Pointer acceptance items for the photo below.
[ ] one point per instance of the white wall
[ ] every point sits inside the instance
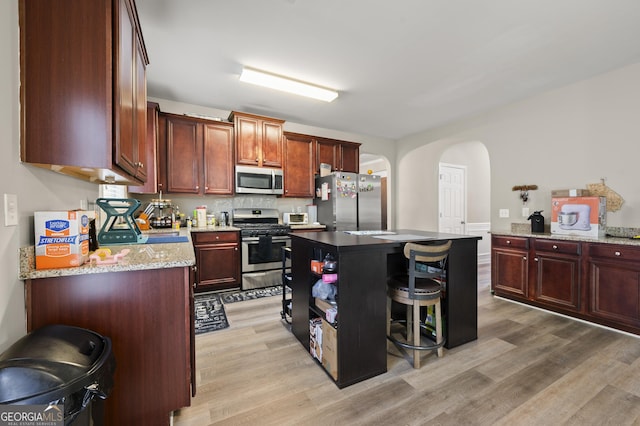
(36, 189)
(565, 138)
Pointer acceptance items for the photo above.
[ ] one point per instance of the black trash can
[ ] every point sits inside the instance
(59, 364)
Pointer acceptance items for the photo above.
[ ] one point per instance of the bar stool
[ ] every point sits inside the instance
(421, 286)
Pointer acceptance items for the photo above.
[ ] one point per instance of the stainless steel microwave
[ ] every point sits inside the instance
(258, 180)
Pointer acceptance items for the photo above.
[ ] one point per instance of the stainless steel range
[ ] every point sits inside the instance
(262, 239)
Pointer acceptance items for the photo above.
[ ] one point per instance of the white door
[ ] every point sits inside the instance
(453, 198)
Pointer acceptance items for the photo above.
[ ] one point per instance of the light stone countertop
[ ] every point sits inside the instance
(140, 257)
(622, 240)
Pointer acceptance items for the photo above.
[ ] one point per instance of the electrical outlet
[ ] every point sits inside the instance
(525, 212)
(10, 210)
(504, 212)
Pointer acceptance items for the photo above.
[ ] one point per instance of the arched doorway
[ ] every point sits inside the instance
(474, 206)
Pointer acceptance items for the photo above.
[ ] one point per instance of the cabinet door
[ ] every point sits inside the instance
(218, 266)
(326, 152)
(151, 152)
(350, 158)
(142, 164)
(184, 156)
(557, 280)
(299, 166)
(247, 146)
(218, 158)
(271, 144)
(614, 292)
(125, 151)
(614, 284)
(509, 272)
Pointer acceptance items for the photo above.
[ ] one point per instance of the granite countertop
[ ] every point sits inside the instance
(622, 236)
(140, 257)
(308, 226)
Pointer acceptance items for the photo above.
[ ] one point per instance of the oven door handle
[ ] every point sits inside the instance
(274, 239)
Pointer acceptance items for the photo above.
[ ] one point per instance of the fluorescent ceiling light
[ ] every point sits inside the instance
(273, 81)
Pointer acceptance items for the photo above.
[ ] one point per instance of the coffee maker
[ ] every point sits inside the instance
(537, 222)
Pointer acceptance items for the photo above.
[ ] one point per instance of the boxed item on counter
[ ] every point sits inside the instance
(330, 349)
(61, 238)
(570, 193)
(579, 216)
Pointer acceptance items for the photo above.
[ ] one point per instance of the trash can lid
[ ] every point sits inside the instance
(54, 362)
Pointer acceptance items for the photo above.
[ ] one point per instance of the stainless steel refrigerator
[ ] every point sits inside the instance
(349, 202)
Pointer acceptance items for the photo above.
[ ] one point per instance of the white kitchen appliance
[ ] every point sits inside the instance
(575, 216)
(295, 218)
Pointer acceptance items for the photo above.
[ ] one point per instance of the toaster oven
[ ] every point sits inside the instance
(295, 218)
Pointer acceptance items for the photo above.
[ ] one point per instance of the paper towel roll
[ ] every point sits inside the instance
(312, 212)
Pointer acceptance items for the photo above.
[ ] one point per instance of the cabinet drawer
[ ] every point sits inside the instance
(555, 246)
(510, 242)
(618, 252)
(214, 237)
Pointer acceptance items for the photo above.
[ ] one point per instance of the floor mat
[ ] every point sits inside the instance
(209, 313)
(239, 296)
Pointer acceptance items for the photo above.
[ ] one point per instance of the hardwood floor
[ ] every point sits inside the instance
(528, 367)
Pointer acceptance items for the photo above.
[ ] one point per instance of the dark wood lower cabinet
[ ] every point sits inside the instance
(614, 285)
(556, 274)
(510, 261)
(217, 260)
(147, 316)
(598, 282)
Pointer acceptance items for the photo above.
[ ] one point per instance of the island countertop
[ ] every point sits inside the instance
(353, 239)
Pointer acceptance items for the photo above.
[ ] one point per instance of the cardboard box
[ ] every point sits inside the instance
(579, 216)
(330, 349)
(61, 238)
(570, 193)
(315, 338)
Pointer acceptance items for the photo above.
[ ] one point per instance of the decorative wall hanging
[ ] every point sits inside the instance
(614, 200)
(524, 191)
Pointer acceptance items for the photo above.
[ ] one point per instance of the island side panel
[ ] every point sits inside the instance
(461, 302)
(362, 299)
(147, 316)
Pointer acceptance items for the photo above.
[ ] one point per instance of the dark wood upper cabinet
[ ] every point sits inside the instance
(343, 156)
(258, 140)
(299, 160)
(151, 155)
(199, 156)
(83, 89)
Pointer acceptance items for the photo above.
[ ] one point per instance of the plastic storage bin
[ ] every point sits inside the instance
(59, 364)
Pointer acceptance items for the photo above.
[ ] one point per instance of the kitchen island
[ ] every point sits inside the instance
(364, 264)
(144, 305)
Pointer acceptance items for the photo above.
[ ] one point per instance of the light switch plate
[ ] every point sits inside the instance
(525, 212)
(504, 212)
(10, 210)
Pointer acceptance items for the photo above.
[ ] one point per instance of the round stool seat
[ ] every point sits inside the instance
(425, 289)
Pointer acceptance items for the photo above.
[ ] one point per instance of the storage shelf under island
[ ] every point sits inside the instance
(144, 305)
(364, 263)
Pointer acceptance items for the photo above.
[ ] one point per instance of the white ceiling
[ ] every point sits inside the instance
(400, 66)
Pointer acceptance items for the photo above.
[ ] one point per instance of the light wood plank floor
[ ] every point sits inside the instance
(528, 367)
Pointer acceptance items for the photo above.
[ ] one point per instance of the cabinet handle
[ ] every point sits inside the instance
(197, 187)
(206, 188)
(524, 257)
(618, 253)
(535, 258)
(508, 241)
(555, 247)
